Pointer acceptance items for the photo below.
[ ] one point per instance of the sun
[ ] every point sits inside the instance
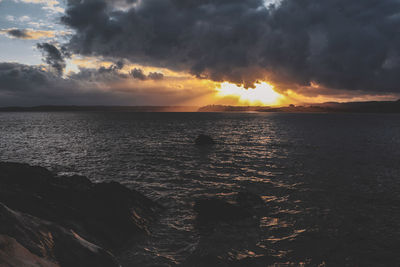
(262, 94)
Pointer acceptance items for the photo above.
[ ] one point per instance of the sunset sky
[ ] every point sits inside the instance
(198, 52)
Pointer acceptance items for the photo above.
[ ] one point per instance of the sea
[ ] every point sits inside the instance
(330, 183)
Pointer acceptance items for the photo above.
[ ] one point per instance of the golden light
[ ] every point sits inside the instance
(262, 94)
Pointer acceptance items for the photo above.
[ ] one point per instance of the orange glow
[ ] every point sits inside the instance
(262, 94)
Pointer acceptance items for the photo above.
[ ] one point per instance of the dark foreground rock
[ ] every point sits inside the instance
(105, 214)
(29, 241)
(204, 140)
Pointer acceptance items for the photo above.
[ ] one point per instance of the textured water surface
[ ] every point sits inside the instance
(330, 182)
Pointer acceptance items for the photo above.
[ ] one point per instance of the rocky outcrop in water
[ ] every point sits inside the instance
(215, 210)
(249, 201)
(225, 226)
(204, 140)
(245, 205)
(72, 210)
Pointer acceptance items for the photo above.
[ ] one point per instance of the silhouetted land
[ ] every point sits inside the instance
(102, 108)
(329, 107)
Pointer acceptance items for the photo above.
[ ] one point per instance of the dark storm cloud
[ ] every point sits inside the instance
(24, 85)
(102, 74)
(182, 35)
(113, 70)
(139, 74)
(54, 57)
(22, 34)
(156, 76)
(16, 78)
(339, 44)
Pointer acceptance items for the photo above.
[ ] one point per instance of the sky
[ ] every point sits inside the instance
(198, 52)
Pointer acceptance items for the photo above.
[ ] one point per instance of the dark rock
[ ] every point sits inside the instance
(107, 214)
(13, 253)
(229, 227)
(29, 241)
(214, 210)
(249, 200)
(213, 259)
(24, 175)
(204, 140)
(75, 181)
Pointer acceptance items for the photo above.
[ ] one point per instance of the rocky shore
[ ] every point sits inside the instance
(48, 220)
(59, 221)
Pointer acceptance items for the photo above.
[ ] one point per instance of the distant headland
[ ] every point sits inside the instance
(328, 107)
(102, 108)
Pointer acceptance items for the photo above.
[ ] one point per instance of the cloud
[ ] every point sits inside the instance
(9, 17)
(106, 75)
(52, 5)
(24, 19)
(139, 74)
(338, 44)
(24, 85)
(155, 76)
(22, 34)
(28, 34)
(54, 57)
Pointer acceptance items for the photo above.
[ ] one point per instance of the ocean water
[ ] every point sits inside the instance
(330, 182)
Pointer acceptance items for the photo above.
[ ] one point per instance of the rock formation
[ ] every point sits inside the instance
(204, 140)
(29, 241)
(72, 211)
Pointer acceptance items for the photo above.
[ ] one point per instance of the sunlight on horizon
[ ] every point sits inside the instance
(262, 94)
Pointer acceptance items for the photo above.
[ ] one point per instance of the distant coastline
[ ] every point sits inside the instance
(328, 107)
(102, 108)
